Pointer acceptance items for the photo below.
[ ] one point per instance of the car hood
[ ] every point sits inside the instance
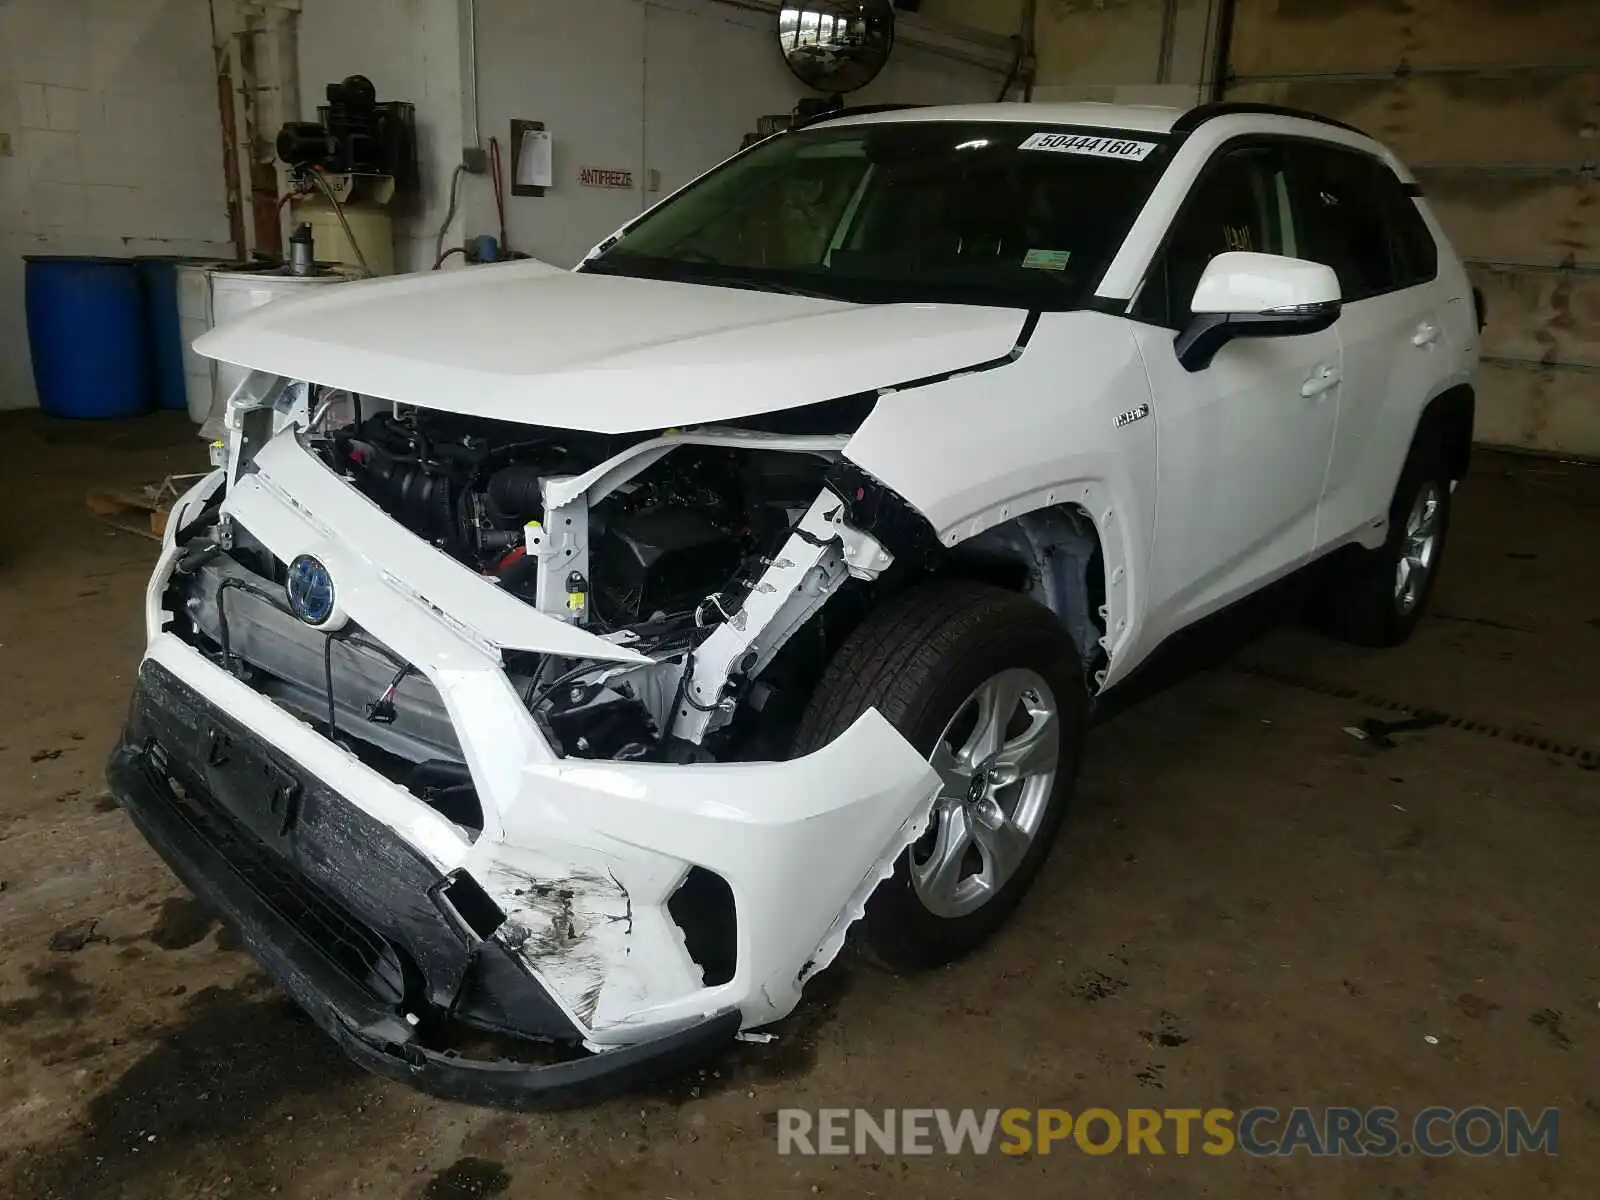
(532, 343)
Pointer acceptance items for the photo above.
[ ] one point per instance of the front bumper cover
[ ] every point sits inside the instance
(348, 918)
(584, 859)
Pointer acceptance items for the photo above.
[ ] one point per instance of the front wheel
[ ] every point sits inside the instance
(988, 686)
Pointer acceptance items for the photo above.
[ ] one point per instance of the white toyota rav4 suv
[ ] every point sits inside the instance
(573, 657)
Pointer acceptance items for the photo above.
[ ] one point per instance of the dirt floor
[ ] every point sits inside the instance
(1247, 906)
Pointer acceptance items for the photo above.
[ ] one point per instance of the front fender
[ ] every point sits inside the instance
(1064, 424)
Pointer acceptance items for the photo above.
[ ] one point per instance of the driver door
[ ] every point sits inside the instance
(1244, 443)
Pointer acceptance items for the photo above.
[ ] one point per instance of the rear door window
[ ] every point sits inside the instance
(1352, 223)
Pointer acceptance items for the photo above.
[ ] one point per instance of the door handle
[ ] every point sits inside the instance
(1324, 380)
(1427, 333)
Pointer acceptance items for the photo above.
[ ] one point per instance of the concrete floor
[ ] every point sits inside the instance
(1248, 906)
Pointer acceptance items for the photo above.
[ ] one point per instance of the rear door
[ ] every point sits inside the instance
(1244, 443)
(1358, 218)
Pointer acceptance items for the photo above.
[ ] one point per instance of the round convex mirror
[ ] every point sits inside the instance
(836, 45)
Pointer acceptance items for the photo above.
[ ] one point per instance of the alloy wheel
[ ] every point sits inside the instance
(997, 761)
(1419, 549)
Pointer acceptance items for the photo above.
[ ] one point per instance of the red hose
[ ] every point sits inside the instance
(499, 193)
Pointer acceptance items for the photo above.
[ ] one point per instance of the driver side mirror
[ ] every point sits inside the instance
(1243, 294)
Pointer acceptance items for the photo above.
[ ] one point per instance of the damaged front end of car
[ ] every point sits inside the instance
(478, 730)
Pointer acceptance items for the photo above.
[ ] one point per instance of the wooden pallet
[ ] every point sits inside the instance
(141, 510)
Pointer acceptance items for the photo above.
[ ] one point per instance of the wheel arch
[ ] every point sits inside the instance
(1449, 418)
(1060, 546)
(1054, 555)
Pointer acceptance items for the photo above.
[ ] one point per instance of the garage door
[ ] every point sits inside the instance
(1496, 106)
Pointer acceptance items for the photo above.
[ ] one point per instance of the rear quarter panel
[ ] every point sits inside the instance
(1372, 452)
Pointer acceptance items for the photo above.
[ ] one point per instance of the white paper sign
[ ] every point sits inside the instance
(534, 165)
(1095, 147)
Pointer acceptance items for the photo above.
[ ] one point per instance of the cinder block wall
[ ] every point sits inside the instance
(110, 107)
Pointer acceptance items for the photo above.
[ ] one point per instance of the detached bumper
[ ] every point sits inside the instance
(362, 931)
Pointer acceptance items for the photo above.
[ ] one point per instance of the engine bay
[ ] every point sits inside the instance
(676, 544)
(701, 556)
(713, 570)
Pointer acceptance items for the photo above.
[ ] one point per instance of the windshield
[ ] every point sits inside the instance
(991, 213)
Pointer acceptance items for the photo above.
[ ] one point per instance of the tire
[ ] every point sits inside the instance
(932, 655)
(1367, 601)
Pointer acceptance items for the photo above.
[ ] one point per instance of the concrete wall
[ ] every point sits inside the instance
(411, 49)
(110, 108)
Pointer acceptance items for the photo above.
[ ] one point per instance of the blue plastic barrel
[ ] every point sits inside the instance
(159, 278)
(88, 334)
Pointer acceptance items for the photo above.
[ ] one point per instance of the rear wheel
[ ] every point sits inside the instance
(1378, 599)
(989, 687)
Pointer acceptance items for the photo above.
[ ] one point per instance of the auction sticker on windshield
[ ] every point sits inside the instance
(1095, 147)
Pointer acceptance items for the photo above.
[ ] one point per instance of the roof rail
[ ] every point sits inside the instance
(859, 110)
(1196, 117)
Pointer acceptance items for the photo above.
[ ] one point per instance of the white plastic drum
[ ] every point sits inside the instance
(194, 318)
(233, 294)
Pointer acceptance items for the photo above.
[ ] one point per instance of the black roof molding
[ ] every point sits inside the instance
(859, 110)
(1196, 117)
